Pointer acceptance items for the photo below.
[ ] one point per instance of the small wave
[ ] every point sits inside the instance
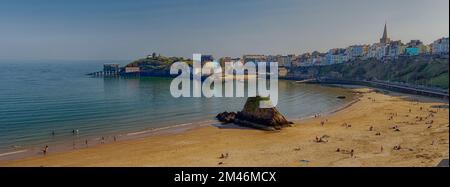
(12, 153)
(161, 128)
(137, 133)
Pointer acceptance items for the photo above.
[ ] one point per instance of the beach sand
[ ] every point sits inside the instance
(366, 127)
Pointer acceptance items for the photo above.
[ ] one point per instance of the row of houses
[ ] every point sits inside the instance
(384, 50)
(391, 50)
(379, 51)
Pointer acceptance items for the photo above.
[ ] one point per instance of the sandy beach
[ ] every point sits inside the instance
(381, 129)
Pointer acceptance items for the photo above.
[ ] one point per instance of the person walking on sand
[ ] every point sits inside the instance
(351, 153)
(86, 142)
(45, 150)
(103, 140)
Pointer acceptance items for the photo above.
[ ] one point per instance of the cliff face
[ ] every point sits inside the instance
(254, 116)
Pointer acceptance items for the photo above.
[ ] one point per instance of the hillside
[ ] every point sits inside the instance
(416, 70)
(426, 71)
(156, 65)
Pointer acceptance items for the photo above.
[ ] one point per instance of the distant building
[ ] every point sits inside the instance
(132, 69)
(285, 61)
(382, 52)
(356, 51)
(254, 58)
(416, 47)
(412, 51)
(152, 56)
(396, 49)
(425, 49)
(319, 59)
(336, 56)
(377, 51)
(440, 47)
(303, 60)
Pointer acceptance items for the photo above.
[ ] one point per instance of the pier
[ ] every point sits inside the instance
(105, 74)
(109, 70)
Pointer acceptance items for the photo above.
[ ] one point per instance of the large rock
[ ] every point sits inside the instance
(226, 117)
(253, 115)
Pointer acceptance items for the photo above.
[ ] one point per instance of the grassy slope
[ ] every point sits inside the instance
(417, 70)
(433, 72)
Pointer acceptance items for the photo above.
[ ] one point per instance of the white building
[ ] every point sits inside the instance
(377, 51)
(337, 56)
(440, 46)
(396, 49)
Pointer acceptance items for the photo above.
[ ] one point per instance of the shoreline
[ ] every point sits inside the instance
(306, 124)
(67, 145)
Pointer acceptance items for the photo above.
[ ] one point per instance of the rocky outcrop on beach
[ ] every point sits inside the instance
(226, 117)
(254, 116)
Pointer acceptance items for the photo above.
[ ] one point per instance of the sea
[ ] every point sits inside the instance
(54, 102)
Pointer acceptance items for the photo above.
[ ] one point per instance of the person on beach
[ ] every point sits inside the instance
(351, 153)
(320, 140)
(86, 142)
(103, 140)
(115, 139)
(347, 125)
(224, 156)
(45, 150)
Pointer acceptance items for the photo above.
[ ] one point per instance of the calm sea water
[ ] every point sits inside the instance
(39, 97)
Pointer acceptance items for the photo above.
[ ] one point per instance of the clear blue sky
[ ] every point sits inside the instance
(113, 29)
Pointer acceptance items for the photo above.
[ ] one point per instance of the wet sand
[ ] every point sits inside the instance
(379, 128)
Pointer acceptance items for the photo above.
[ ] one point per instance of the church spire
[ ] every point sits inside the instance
(385, 39)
